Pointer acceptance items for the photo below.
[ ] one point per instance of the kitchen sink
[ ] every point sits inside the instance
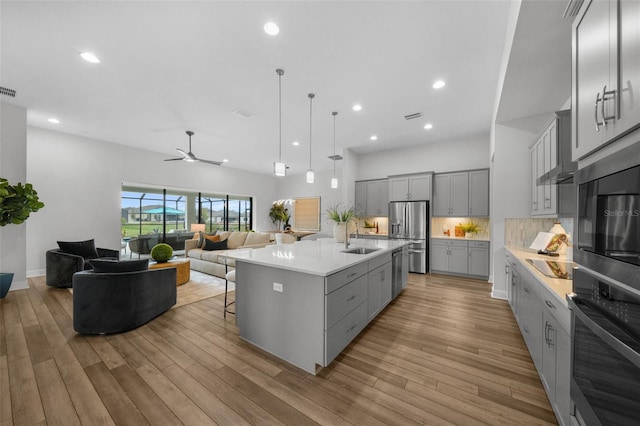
(360, 250)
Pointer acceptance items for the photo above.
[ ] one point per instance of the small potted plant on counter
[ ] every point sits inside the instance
(469, 229)
(341, 217)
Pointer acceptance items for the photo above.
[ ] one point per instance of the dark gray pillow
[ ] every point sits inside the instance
(214, 245)
(102, 266)
(86, 249)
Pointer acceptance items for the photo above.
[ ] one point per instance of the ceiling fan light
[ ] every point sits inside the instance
(334, 182)
(310, 176)
(280, 169)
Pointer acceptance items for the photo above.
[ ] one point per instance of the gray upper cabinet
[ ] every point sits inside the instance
(606, 59)
(372, 197)
(410, 187)
(461, 193)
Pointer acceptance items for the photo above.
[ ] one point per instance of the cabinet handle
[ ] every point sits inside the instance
(514, 280)
(526, 329)
(349, 299)
(506, 269)
(350, 329)
(353, 274)
(595, 112)
(549, 304)
(605, 98)
(525, 289)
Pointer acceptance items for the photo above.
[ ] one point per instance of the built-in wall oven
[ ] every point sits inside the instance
(605, 303)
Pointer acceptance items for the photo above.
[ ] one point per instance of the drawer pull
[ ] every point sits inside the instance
(549, 304)
(525, 289)
(349, 299)
(353, 274)
(350, 329)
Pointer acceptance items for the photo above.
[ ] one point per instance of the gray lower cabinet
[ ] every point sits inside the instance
(379, 289)
(460, 257)
(545, 325)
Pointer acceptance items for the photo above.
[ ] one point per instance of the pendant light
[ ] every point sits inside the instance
(279, 168)
(334, 179)
(310, 174)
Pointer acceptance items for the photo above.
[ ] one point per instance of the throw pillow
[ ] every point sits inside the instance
(214, 245)
(102, 266)
(86, 249)
(212, 238)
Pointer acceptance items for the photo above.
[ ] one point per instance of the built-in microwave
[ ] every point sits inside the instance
(608, 216)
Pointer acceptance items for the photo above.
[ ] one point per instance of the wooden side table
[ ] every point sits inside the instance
(183, 269)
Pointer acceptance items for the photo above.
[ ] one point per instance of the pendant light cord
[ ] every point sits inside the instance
(334, 142)
(280, 72)
(311, 96)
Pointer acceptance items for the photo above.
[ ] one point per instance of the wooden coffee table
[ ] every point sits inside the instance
(183, 269)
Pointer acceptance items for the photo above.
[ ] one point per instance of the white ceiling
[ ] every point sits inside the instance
(173, 66)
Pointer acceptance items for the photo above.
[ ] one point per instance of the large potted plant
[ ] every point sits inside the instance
(17, 202)
(342, 217)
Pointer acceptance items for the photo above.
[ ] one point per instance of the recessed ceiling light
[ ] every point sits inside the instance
(428, 126)
(53, 120)
(90, 57)
(271, 28)
(226, 160)
(373, 138)
(295, 143)
(357, 107)
(438, 84)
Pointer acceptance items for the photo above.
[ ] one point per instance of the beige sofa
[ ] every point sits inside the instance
(207, 260)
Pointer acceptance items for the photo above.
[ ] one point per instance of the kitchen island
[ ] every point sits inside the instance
(305, 302)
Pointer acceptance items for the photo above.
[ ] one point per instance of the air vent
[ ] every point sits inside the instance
(7, 92)
(243, 113)
(572, 8)
(412, 116)
(335, 157)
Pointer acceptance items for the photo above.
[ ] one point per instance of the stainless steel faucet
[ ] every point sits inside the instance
(346, 232)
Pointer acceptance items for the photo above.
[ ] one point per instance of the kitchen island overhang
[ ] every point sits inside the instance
(305, 302)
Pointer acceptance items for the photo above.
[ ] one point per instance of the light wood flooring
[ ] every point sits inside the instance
(443, 352)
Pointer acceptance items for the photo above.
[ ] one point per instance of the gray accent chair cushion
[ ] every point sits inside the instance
(106, 303)
(61, 266)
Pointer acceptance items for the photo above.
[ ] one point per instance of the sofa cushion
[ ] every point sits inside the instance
(195, 253)
(257, 238)
(210, 256)
(212, 238)
(236, 239)
(223, 234)
(102, 266)
(214, 245)
(86, 249)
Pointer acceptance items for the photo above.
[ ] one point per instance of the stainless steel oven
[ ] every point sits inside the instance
(605, 382)
(605, 304)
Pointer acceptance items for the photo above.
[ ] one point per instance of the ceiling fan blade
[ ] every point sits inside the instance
(174, 159)
(184, 153)
(217, 163)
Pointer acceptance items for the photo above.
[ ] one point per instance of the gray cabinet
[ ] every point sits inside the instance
(545, 324)
(372, 197)
(461, 193)
(544, 154)
(460, 257)
(410, 187)
(379, 289)
(606, 59)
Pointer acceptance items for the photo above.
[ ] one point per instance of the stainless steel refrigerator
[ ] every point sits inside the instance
(409, 220)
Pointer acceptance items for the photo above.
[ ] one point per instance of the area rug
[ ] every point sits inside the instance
(200, 286)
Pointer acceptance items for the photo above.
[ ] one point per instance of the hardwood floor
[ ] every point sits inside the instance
(443, 352)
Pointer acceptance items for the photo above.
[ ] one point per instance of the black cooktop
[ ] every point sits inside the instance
(554, 268)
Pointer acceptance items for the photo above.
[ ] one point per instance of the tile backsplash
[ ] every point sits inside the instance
(520, 233)
(439, 225)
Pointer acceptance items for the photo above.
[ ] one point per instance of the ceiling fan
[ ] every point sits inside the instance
(190, 156)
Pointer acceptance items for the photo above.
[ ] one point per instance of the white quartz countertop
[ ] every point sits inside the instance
(323, 256)
(446, 237)
(558, 286)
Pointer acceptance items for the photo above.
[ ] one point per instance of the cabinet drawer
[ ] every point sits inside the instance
(342, 301)
(561, 313)
(343, 332)
(378, 261)
(479, 244)
(345, 276)
(449, 243)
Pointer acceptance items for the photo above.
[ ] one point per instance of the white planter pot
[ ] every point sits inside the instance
(339, 230)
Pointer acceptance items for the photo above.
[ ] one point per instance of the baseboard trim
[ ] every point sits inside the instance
(499, 294)
(36, 273)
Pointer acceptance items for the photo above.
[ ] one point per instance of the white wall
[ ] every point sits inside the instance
(80, 180)
(444, 156)
(511, 192)
(13, 167)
